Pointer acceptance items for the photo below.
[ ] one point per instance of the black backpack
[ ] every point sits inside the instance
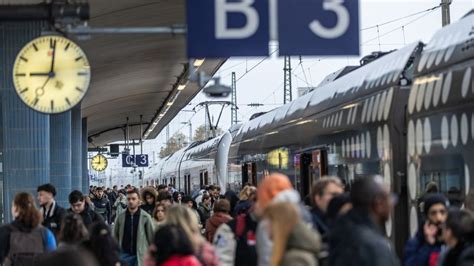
(25, 247)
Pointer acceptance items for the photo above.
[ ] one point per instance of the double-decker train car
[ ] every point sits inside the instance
(351, 127)
(440, 120)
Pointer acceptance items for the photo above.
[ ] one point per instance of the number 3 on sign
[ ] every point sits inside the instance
(343, 21)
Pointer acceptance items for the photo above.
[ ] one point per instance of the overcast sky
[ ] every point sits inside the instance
(264, 84)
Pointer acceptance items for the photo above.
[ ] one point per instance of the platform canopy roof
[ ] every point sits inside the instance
(135, 75)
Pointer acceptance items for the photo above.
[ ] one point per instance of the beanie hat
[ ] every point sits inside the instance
(48, 188)
(336, 204)
(270, 187)
(432, 199)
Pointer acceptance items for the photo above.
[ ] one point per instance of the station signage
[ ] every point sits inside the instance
(224, 28)
(138, 160)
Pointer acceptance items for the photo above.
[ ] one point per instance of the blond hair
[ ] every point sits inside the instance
(246, 192)
(183, 217)
(283, 217)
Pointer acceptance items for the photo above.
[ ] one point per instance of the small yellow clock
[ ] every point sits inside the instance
(99, 163)
(51, 74)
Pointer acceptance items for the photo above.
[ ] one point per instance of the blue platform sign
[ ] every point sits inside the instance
(318, 27)
(140, 160)
(224, 28)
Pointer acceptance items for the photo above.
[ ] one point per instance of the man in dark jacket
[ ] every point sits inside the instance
(102, 205)
(321, 194)
(424, 248)
(357, 238)
(79, 206)
(53, 214)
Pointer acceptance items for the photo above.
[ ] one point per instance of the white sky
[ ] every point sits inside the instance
(264, 84)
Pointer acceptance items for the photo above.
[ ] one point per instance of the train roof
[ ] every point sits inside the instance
(452, 44)
(379, 74)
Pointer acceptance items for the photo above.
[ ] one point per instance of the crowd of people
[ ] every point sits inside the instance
(265, 225)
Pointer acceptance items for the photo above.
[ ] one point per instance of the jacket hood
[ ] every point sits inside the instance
(304, 238)
(149, 190)
(219, 218)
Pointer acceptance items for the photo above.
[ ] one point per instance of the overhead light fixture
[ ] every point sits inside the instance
(272, 133)
(181, 87)
(161, 115)
(198, 62)
(155, 123)
(169, 103)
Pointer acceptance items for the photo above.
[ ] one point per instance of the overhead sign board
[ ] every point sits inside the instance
(224, 28)
(138, 160)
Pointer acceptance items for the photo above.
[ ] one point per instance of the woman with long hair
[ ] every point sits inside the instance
(292, 239)
(184, 218)
(73, 231)
(102, 245)
(25, 238)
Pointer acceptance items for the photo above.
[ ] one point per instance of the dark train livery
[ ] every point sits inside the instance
(407, 116)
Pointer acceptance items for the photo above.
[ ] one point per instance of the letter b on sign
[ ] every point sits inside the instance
(223, 28)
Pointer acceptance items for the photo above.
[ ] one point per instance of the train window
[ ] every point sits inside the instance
(206, 178)
(444, 174)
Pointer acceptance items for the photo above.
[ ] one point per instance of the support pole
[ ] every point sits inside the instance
(445, 12)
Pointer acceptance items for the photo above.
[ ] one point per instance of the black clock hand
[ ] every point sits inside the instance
(39, 74)
(54, 55)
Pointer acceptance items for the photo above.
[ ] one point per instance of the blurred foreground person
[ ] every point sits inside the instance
(357, 238)
(23, 240)
(73, 231)
(458, 234)
(424, 248)
(184, 218)
(274, 188)
(294, 242)
(134, 231)
(171, 247)
(102, 245)
(69, 257)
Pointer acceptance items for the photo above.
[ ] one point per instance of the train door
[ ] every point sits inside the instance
(188, 184)
(245, 174)
(201, 179)
(313, 166)
(206, 178)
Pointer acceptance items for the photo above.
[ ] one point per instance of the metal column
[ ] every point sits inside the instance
(76, 148)
(60, 139)
(84, 160)
(26, 146)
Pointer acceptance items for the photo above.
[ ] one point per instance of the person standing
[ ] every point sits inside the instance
(51, 212)
(102, 205)
(220, 216)
(149, 195)
(322, 193)
(357, 238)
(424, 248)
(134, 231)
(25, 238)
(205, 208)
(79, 206)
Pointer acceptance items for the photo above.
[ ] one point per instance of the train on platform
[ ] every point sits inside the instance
(407, 115)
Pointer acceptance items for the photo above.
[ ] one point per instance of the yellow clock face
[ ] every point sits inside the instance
(51, 74)
(99, 163)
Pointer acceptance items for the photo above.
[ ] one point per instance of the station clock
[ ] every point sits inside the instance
(51, 74)
(99, 163)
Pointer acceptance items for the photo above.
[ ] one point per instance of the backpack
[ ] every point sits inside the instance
(25, 247)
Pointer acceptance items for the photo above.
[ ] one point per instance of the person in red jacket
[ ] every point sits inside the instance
(220, 216)
(171, 247)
